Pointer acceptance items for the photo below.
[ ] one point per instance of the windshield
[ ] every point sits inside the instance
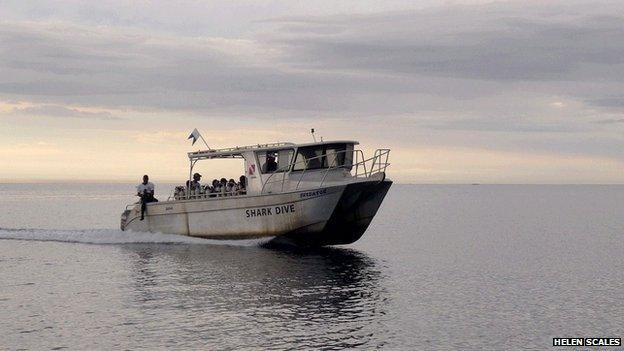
(324, 156)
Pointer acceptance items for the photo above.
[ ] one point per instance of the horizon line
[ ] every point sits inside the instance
(169, 181)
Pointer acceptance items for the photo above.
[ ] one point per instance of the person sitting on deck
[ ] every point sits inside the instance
(216, 186)
(179, 192)
(195, 184)
(207, 189)
(231, 187)
(223, 184)
(145, 191)
(242, 185)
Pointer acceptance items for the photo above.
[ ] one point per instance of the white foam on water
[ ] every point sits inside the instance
(112, 236)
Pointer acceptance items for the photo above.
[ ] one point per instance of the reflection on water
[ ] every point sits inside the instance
(226, 296)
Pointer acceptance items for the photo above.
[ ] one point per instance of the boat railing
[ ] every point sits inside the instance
(360, 167)
(191, 195)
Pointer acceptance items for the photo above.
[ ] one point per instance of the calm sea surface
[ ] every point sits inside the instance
(440, 268)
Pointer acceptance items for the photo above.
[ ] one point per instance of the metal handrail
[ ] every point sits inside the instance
(379, 153)
(205, 195)
(379, 159)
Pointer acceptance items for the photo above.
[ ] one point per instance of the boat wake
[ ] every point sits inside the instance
(112, 236)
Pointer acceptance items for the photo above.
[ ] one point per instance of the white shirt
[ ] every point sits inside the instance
(149, 187)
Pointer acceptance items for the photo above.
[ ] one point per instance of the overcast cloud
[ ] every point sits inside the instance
(544, 77)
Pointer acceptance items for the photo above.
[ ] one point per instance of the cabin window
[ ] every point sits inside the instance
(324, 156)
(275, 160)
(334, 156)
(309, 156)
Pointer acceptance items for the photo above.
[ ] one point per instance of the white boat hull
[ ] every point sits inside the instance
(323, 216)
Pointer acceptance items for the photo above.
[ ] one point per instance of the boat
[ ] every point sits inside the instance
(310, 194)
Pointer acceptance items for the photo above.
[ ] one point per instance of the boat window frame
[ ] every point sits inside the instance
(265, 151)
(323, 157)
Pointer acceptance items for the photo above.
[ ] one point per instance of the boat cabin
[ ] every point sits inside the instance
(279, 167)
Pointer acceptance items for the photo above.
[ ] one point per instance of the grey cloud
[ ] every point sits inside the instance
(507, 42)
(610, 121)
(320, 56)
(462, 62)
(61, 112)
(187, 17)
(515, 125)
(616, 103)
(106, 67)
(485, 76)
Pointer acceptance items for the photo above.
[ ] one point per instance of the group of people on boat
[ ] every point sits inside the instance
(222, 187)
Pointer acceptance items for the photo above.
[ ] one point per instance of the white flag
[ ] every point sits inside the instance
(194, 135)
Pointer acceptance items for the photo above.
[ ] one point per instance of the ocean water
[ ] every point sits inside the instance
(440, 268)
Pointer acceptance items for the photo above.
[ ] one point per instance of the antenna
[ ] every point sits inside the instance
(313, 136)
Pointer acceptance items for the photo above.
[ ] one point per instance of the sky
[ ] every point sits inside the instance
(461, 91)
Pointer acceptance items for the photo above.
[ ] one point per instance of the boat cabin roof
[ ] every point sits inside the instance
(237, 152)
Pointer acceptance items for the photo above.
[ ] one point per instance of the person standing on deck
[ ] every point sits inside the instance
(145, 191)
